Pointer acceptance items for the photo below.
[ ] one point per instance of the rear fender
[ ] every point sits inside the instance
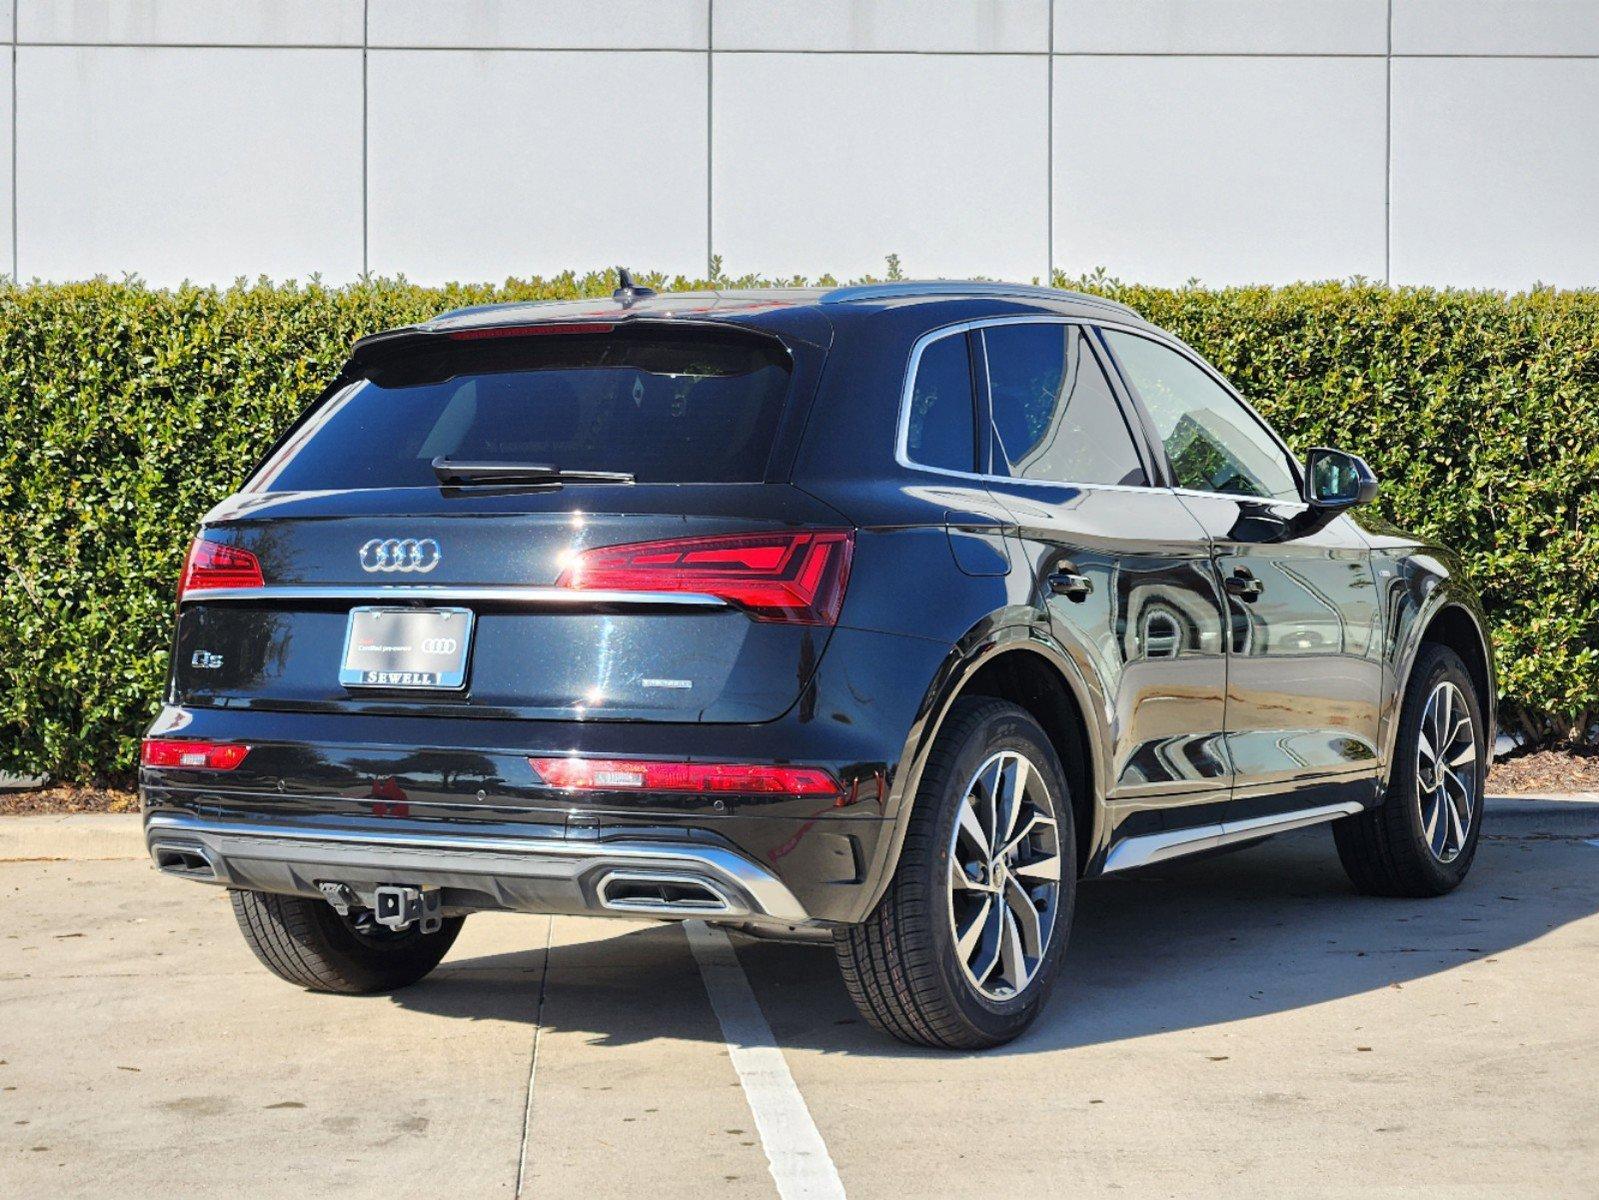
(1007, 632)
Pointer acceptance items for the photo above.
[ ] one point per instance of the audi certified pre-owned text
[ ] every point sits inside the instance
(873, 615)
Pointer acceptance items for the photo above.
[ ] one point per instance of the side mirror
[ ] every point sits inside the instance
(1334, 479)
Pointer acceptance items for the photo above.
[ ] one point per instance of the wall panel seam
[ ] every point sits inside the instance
(366, 154)
(16, 260)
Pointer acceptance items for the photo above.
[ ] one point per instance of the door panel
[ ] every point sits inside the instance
(1304, 674)
(1305, 677)
(1149, 625)
(1122, 570)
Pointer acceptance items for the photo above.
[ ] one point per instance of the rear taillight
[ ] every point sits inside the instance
(213, 565)
(205, 756)
(647, 775)
(796, 578)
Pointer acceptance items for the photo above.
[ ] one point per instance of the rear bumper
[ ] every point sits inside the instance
(469, 777)
(479, 868)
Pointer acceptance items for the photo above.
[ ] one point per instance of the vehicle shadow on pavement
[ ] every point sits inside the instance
(1263, 930)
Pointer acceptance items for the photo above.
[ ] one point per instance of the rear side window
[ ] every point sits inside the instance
(1055, 416)
(940, 432)
(666, 405)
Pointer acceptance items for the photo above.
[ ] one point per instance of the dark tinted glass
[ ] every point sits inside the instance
(940, 431)
(668, 406)
(1214, 444)
(1055, 416)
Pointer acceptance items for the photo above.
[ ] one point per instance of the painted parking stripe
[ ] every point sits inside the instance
(799, 1161)
(533, 1057)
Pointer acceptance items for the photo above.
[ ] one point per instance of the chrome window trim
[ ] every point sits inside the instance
(1159, 337)
(531, 596)
(902, 437)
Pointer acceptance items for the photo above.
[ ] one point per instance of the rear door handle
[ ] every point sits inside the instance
(1071, 584)
(1243, 584)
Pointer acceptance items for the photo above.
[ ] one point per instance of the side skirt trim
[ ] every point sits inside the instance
(1174, 843)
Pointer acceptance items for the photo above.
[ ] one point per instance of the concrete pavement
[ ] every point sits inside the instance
(1242, 1026)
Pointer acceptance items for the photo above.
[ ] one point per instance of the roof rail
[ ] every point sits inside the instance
(959, 287)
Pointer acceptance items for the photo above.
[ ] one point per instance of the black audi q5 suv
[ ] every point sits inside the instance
(877, 614)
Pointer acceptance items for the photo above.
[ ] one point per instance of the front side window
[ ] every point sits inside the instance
(1214, 443)
(939, 432)
(1055, 416)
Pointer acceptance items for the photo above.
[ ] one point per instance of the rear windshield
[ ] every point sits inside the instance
(666, 405)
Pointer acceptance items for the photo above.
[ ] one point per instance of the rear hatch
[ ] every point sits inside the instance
(426, 542)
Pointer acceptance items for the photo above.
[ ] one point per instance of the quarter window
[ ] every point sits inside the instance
(1055, 416)
(940, 432)
(1214, 443)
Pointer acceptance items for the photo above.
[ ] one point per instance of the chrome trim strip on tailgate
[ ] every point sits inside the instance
(532, 596)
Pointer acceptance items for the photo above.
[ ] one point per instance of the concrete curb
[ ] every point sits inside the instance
(79, 836)
(1553, 814)
(118, 835)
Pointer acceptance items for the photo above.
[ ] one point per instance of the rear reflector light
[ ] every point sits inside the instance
(625, 774)
(206, 756)
(213, 565)
(796, 578)
(501, 331)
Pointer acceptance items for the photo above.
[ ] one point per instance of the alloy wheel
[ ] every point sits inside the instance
(1004, 876)
(1446, 771)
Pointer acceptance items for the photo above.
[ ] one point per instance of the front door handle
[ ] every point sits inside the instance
(1243, 584)
(1071, 584)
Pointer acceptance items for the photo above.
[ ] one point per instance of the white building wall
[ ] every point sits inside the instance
(1421, 141)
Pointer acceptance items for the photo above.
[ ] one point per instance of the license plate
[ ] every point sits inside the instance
(406, 648)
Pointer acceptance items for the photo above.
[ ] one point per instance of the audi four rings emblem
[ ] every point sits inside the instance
(439, 646)
(417, 555)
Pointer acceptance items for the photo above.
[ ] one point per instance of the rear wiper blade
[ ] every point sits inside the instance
(449, 471)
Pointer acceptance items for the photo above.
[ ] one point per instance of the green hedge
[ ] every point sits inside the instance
(126, 412)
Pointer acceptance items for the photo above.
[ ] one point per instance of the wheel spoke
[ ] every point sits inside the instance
(1008, 799)
(1047, 867)
(1459, 799)
(966, 941)
(1014, 956)
(1438, 838)
(1035, 823)
(1467, 753)
(1424, 746)
(1027, 918)
(988, 946)
(1457, 826)
(987, 788)
(1431, 817)
(971, 826)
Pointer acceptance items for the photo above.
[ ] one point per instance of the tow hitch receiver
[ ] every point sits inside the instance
(398, 907)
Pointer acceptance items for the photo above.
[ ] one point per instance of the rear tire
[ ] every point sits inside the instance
(1422, 838)
(944, 959)
(308, 943)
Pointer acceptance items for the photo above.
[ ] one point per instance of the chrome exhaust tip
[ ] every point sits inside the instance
(192, 862)
(657, 893)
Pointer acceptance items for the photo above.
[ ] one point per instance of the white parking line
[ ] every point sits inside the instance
(533, 1058)
(799, 1161)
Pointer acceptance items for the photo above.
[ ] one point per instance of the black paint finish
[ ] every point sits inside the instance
(1223, 657)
